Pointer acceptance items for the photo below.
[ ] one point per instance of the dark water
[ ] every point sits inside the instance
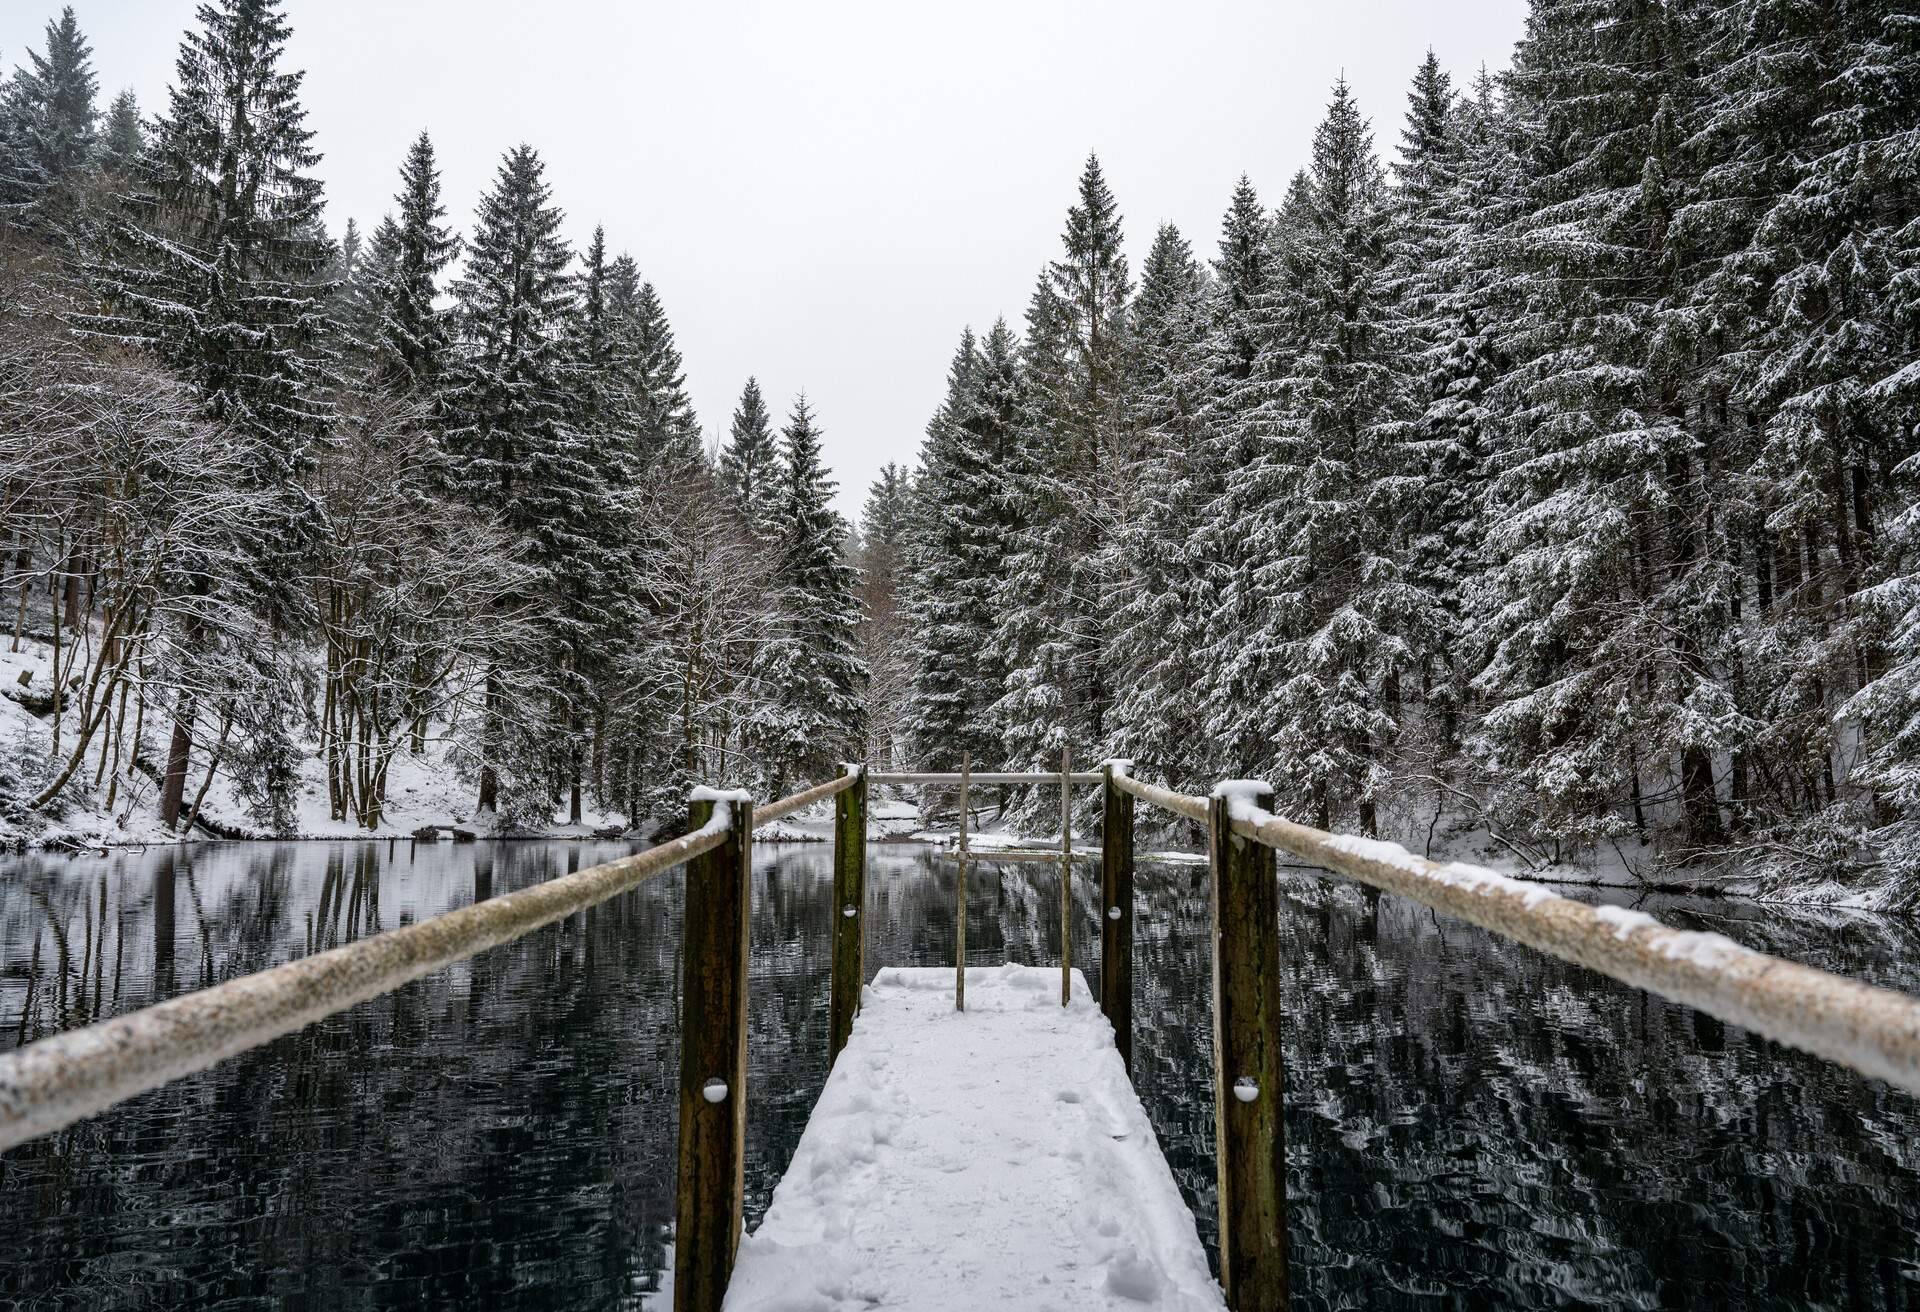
(1470, 1124)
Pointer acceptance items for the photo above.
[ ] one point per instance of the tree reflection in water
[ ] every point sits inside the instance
(1469, 1123)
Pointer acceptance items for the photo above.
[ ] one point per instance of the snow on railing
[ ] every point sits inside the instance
(1874, 1031)
(65, 1078)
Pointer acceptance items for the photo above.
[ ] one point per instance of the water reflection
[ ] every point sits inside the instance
(1468, 1122)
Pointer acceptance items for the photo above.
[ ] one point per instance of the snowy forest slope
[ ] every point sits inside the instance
(1556, 480)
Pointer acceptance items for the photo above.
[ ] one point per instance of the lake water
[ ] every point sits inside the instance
(1469, 1123)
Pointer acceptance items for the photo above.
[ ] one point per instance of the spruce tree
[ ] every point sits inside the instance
(122, 137)
(53, 123)
(958, 558)
(1073, 468)
(668, 424)
(810, 669)
(748, 461)
(513, 446)
(411, 249)
(1608, 573)
(1160, 623)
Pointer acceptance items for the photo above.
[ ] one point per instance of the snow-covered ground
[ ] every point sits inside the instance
(421, 790)
(996, 1158)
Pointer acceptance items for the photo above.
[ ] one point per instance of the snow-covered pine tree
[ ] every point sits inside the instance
(1074, 471)
(606, 417)
(218, 263)
(667, 419)
(122, 137)
(810, 671)
(1600, 520)
(513, 448)
(884, 648)
(1160, 624)
(52, 123)
(1883, 131)
(749, 460)
(1327, 596)
(1436, 336)
(1253, 333)
(957, 558)
(410, 250)
(1041, 634)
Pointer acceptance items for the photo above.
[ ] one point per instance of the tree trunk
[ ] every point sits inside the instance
(173, 788)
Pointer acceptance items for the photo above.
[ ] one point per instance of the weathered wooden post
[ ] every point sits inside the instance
(1066, 876)
(1116, 920)
(960, 891)
(850, 916)
(713, 1059)
(1249, 1126)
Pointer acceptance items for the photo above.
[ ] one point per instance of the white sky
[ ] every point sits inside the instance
(826, 193)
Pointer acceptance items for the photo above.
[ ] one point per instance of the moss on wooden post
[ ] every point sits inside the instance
(713, 1062)
(1248, 1088)
(1116, 914)
(849, 911)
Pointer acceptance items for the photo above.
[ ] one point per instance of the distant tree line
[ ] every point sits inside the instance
(275, 495)
(1557, 479)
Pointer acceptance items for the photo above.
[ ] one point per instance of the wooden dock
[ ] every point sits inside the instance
(991, 1158)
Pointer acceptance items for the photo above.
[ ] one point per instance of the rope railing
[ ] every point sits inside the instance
(1871, 1030)
(56, 1081)
(786, 806)
(949, 780)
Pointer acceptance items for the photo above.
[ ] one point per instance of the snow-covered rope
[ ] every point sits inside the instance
(1874, 1031)
(786, 806)
(50, 1084)
(1193, 808)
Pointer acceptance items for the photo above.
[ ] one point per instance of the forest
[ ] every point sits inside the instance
(274, 495)
(1543, 479)
(1551, 481)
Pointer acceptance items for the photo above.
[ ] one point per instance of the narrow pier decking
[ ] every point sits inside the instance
(991, 1158)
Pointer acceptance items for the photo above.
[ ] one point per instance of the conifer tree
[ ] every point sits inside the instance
(810, 669)
(884, 649)
(1074, 465)
(1160, 624)
(411, 249)
(959, 557)
(53, 123)
(513, 446)
(1600, 668)
(667, 420)
(748, 461)
(219, 264)
(122, 137)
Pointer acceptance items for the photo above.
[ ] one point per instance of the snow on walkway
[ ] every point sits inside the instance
(996, 1159)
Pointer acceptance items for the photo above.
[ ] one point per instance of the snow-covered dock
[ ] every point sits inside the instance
(992, 1158)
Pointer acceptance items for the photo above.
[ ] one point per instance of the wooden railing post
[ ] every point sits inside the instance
(850, 911)
(1116, 919)
(960, 891)
(1248, 1088)
(713, 1062)
(1066, 876)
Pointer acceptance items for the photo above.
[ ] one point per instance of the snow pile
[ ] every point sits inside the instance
(993, 1159)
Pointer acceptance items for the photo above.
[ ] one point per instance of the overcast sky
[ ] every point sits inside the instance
(826, 193)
